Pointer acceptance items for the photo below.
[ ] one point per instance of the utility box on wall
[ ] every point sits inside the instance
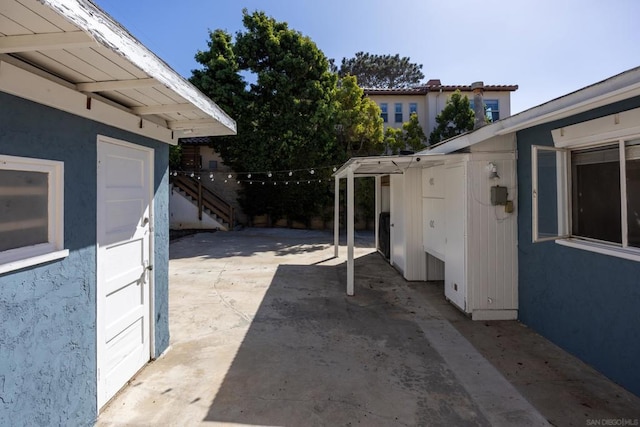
(498, 195)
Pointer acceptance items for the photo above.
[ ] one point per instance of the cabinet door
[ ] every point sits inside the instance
(455, 267)
(433, 227)
(433, 182)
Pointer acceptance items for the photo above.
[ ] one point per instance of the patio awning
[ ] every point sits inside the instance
(361, 167)
(80, 47)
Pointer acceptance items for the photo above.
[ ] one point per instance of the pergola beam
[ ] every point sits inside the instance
(50, 41)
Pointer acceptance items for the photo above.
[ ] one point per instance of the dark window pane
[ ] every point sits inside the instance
(596, 194)
(24, 208)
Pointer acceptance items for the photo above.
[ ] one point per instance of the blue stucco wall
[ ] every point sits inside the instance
(586, 303)
(48, 312)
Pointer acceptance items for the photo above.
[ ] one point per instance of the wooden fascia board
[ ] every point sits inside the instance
(24, 84)
(111, 35)
(51, 41)
(116, 85)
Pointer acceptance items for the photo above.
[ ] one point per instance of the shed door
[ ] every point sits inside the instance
(123, 236)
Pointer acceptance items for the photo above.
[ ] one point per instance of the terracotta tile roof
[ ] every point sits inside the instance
(434, 85)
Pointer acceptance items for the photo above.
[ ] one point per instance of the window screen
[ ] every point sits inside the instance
(595, 178)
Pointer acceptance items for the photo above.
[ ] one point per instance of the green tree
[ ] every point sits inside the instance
(382, 71)
(359, 127)
(219, 78)
(456, 118)
(413, 135)
(285, 118)
(409, 137)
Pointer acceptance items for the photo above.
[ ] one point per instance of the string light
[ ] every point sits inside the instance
(273, 175)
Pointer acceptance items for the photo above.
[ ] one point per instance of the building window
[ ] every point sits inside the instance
(31, 212)
(384, 108)
(491, 109)
(398, 110)
(591, 194)
(413, 108)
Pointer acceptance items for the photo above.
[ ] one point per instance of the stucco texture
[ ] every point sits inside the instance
(48, 312)
(586, 303)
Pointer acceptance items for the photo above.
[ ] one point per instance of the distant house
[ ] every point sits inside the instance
(427, 102)
(534, 217)
(88, 115)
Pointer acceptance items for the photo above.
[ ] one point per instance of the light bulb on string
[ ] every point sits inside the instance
(335, 168)
(192, 174)
(229, 176)
(312, 171)
(238, 182)
(275, 183)
(198, 177)
(286, 183)
(308, 182)
(211, 175)
(298, 182)
(290, 173)
(250, 182)
(269, 174)
(249, 175)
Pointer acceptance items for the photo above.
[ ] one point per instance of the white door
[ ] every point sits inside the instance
(398, 255)
(456, 227)
(123, 248)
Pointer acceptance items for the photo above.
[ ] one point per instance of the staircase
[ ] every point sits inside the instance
(206, 201)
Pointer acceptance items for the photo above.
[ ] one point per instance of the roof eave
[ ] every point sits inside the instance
(108, 33)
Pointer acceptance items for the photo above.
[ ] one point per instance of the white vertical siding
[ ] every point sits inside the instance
(416, 265)
(492, 261)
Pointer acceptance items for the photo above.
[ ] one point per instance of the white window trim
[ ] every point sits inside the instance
(15, 259)
(616, 128)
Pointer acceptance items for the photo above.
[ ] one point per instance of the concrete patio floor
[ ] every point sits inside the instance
(262, 333)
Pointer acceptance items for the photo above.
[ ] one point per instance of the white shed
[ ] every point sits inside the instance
(452, 217)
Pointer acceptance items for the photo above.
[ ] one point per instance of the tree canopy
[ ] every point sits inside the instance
(409, 137)
(456, 118)
(359, 126)
(294, 115)
(382, 71)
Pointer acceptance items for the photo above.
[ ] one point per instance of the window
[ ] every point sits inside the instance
(31, 212)
(589, 194)
(384, 108)
(398, 109)
(491, 109)
(413, 108)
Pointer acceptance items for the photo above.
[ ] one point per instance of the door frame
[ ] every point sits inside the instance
(100, 306)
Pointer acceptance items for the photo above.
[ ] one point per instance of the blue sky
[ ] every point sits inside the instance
(547, 47)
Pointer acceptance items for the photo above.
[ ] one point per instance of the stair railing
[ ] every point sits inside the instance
(206, 198)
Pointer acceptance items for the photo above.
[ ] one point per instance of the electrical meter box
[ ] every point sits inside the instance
(498, 195)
